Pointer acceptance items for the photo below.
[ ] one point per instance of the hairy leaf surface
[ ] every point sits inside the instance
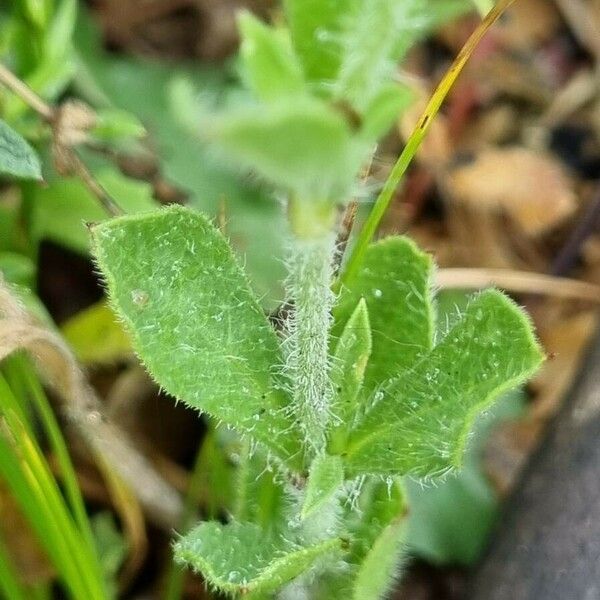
(195, 323)
(270, 67)
(317, 27)
(379, 569)
(325, 478)
(238, 558)
(395, 283)
(17, 157)
(419, 422)
(304, 147)
(350, 360)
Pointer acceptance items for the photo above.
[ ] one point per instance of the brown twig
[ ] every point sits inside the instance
(63, 152)
(21, 89)
(578, 16)
(346, 226)
(519, 282)
(589, 224)
(79, 168)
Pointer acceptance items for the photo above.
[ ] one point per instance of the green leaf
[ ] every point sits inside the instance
(96, 337)
(302, 146)
(380, 567)
(368, 48)
(395, 282)
(270, 67)
(383, 109)
(10, 229)
(238, 558)
(325, 478)
(114, 124)
(195, 323)
(17, 269)
(17, 158)
(379, 504)
(450, 522)
(371, 508)
(349, 362)
(419, 422)
(255, 221)
(111, 547)
(61, 209)
(316, 27)
(260, 496)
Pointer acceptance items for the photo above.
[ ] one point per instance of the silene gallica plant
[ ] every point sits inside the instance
(324, 412)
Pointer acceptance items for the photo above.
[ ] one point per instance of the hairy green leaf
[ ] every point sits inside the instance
(304, 147)
(238, 558)
(114, 124)
(270, 67)
(147, 89)
(383, 109)
(395, 283)
(17, 157)
(371, 507)
(325, 478)
(450, 522)
(195, 323)
(316, 27)
(368, 47)
(347, 373)
(377, 36)
(260, 495)
(17, 269)
(419, 422)
(381, 565)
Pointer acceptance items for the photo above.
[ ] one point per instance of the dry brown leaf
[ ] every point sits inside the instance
(527, 25)
(531, 188)
(522, 282)
(18, 331)
(565, 339)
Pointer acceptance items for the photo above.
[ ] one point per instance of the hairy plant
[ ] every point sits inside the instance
(354, 392)
(324, 415)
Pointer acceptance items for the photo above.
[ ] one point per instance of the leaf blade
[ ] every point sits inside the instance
(194, 321)
(324, 480)
(238, 558)
(395, 282)
(17, 157)
(270, 66)
(428, 411)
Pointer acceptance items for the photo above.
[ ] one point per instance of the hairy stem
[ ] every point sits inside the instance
(310, 267)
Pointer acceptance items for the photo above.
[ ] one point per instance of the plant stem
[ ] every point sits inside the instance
(23, 91)
(310, 267)
(414, 142)
(68, 154)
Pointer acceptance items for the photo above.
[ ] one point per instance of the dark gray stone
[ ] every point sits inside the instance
(547, 546)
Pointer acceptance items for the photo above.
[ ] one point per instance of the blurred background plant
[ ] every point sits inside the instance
(506, 185)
